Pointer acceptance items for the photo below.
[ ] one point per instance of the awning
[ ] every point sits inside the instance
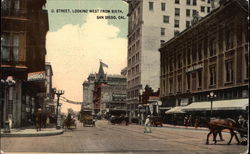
(177, 109)
(235, 104)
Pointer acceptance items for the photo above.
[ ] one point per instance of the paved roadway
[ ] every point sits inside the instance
(106, 138)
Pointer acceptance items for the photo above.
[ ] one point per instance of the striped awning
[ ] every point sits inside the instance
(177, 109)
(235, 104)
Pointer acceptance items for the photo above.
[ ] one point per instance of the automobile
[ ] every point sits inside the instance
(87, 118)
(156, 121)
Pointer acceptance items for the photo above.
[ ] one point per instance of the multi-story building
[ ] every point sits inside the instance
(152, 23)
(24, 25)
(105, 93)
(210, 56)
(113, 95)
(88, 87)
(49, 104)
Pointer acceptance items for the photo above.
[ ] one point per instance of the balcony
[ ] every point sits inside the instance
(6, 63)
(17, 13)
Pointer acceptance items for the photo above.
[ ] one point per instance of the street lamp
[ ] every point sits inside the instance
(211, 96)
(58, 94)
(9, 83)
(140, 114)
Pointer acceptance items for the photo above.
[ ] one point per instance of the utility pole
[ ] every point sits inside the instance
(58, 94)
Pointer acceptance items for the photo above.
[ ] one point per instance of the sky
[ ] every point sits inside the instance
(77, 41)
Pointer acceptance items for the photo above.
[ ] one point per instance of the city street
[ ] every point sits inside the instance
(107, 138)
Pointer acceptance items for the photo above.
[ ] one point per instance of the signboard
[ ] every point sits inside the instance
(193, 68)
(36, 76)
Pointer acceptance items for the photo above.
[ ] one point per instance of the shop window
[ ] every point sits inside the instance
(229, 71)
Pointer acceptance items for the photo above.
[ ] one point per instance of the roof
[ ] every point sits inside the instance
(234, 104)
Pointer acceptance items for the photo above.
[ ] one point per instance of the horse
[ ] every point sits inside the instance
(217, 125)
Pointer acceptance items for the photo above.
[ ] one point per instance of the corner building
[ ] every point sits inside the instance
(151, 23)
(210, 56)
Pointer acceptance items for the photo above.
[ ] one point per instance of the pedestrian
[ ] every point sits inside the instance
(147, 128)
(186, 121)
(39, 119)
(242, 121)
(190, 120)
(196, 124)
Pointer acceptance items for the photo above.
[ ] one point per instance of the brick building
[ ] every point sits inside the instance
(210, 56)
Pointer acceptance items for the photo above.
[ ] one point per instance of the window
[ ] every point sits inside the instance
(199, 79)
(177, 1)
(212, 75)
(208, 1)
(188, 13)
(177, 12)
(194, 2)
(162, 31)
(179, 83)
(165, 19)
(229, 39)
(188, 81)
(202, 9)
(229, 71)
(6, 4)
(212, 47)
(247, 65)
(9, 47)
(163, 6)
(208, 9)
(151, 6)
(176, 32)
(176, 23)
(179, 61)
(194, 12)
(188, 23)
(162, 41)
(194, 57)
(188, 2)
(200, 52)
(188, 57)
(171, 85)
(171, 66)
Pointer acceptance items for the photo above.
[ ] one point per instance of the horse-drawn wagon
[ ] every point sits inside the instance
(86, 118)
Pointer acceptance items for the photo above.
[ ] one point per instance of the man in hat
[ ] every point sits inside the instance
(147, 128)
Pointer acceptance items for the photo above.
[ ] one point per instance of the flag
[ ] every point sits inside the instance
(103, 64)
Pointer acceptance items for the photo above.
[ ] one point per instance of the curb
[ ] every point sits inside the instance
(33, 134)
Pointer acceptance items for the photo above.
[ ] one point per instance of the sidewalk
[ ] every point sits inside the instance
(31, 132)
